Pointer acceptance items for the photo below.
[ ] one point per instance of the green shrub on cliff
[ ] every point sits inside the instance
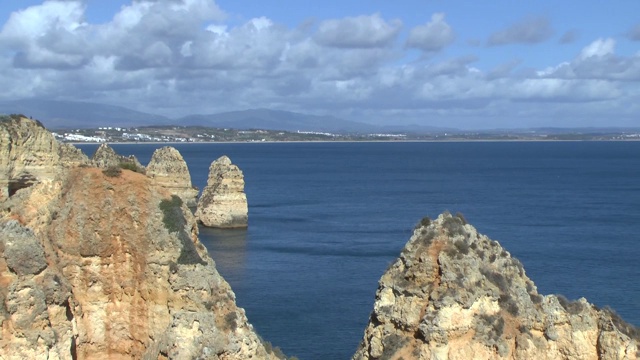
(112, 171)
(130, 166)
(174, 221)
(172, 214)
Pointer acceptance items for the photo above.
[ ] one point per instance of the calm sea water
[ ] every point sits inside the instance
(326, 219)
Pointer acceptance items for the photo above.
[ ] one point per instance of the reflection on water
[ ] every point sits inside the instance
(227, 247)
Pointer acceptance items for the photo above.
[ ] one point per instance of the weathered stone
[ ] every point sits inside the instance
(106, 157)
(475, 302)
(22, 249)
(168, 169)
(111, 268)
(29, 154)
(223, 203)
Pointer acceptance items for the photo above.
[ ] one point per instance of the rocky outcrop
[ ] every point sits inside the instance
(456, 294)
(168, 169)
(223, 203)
(29, 154)
(106, 157)
(98, 266)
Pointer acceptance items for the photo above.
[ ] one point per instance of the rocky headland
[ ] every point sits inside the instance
(223, 203)
(456, 294)
(97, 264)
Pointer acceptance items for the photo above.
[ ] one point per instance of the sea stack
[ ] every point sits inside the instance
(168, 169)
(223, 203)
(456, 294)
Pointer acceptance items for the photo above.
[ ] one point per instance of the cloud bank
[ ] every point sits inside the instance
(176, 57)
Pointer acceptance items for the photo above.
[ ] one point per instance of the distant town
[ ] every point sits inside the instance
(194, 134)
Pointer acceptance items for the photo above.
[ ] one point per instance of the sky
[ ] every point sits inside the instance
(464, 64)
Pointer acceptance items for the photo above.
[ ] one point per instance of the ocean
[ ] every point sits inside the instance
(326, 219)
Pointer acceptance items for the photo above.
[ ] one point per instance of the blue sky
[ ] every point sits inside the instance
(443, 63)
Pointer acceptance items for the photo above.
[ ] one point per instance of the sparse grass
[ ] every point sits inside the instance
(454, 225)
(392, 344)
(462, 246)
(535, 298)
(622, 326)
(507, 303)
(572, 307)
(425, 221)
(496, 278)
(462, 218)
(129, 166)
(112, 171)
(231, 321)
(427, 236)
(491, 325)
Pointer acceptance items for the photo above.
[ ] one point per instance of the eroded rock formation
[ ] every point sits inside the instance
(94, 266)
(456, 294)
(106, 157)
(223, 203)
(30, 155)
(169, 170)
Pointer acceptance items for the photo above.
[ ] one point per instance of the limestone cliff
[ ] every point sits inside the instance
(106, 157)
(29, 155)
(169, 170)
(456, 294)
(103, 265)
(223, 203)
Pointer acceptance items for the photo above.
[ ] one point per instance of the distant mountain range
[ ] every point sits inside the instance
(75, 114)
(277, 120)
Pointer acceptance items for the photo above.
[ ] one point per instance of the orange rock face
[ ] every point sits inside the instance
(99, 265)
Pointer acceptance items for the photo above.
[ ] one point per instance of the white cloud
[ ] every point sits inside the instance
(432, 36)
(600, 47)
(180, 57)
(366, 31)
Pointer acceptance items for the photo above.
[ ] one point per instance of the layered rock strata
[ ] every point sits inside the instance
(168, 169)
(29, 155)
(223, 203)
(95, 265)
(455, 294)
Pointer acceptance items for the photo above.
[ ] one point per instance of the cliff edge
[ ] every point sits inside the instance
(29, 155)
(456, 294)
(99, 264)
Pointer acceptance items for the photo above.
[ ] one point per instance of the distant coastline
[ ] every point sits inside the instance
(345, 141)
